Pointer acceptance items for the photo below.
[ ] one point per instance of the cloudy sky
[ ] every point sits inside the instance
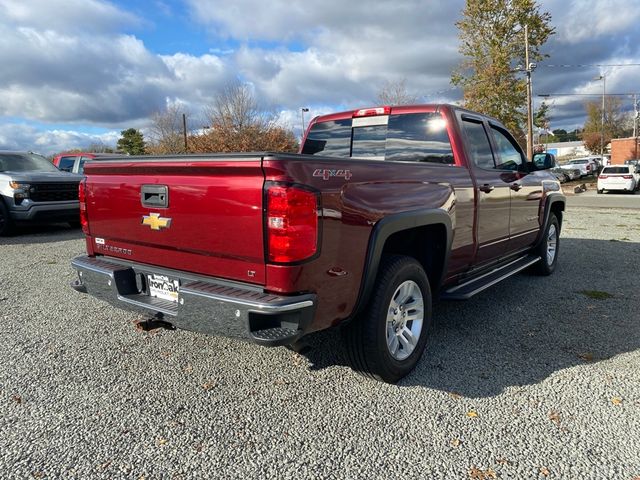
(76, 72)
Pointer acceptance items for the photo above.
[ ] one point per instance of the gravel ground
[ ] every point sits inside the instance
(531, 379)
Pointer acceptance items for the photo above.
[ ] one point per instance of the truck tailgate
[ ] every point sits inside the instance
(202, 215)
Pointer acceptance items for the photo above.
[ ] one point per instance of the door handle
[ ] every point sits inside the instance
(486, 188)
(515, 186)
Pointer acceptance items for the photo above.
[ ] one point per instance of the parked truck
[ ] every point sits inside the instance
(382, 211)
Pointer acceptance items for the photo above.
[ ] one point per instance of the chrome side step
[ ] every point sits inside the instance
(468, 289)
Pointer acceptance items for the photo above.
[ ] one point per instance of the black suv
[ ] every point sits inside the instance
(32, 189)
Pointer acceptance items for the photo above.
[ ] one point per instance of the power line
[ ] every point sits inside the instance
(586, 94)
(591, 65)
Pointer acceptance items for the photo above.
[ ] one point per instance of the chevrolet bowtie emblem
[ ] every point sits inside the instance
(155, 221)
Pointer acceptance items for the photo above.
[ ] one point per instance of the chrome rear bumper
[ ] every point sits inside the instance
(205, 304)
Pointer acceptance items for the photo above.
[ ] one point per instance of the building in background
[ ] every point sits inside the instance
(624, 149)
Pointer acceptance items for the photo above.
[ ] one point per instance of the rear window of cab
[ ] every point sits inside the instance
(409, 137)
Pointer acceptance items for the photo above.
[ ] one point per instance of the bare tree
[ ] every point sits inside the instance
(396, 93)
(235, 107)
(237, 123)
(98, 147)
(166, 133)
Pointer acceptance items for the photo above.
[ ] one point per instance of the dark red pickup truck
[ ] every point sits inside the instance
(384, 209)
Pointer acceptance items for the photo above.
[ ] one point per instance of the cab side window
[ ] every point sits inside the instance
(509, 155)
(478, 144)
(66, 163)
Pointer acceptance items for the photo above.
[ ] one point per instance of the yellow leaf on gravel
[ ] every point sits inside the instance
(544, 471)
(478, 474)
(616, 401)
(472, 414)
(586, 356)
(456, 442)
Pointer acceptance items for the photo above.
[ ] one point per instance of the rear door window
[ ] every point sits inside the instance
(478, 144)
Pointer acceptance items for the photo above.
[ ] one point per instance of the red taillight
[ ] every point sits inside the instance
(82, 197)
(588, 167)
(292, 224)
(371, 112)
(627, 177)
(602, 177)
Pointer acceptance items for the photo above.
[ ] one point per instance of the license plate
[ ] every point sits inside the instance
(161, 286)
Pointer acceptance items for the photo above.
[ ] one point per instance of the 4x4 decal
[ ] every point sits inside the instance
(326, 174)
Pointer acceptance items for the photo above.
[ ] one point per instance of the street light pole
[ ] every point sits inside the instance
(604, 87)
(302, 111)
(528, 68)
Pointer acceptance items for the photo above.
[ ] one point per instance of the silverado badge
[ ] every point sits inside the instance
(155, 221)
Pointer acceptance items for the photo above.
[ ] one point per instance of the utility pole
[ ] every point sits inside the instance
(184, 130)
(528, 69)
(604, 83)
(635, 123)
(635, 115)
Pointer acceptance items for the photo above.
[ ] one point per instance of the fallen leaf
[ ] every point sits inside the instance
(455, 395)
(544, 471)
(472, 414)
(554, 417)
(161, 441)
(502, 461)
(616, 401)
(586, 356)
(479, 474)
(16, 398)
(476, 473)
(281, 381)
(188, 368)
(209, 385)
(456, 442)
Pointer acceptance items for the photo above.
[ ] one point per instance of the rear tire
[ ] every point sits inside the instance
(599, 191)
(387, 340)
(6, 225)
(548, 248)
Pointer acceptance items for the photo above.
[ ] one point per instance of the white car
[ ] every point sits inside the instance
(619, 177)
(587, 166)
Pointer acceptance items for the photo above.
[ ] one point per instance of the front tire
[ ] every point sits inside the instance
(388, 339)
(548, 248)
(6, 224)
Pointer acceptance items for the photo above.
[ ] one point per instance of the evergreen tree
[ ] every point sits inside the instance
(131, 142)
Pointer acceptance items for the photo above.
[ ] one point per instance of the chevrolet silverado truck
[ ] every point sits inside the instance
(32, 190)
(383, 210)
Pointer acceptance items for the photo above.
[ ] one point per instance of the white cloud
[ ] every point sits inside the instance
(67, 15)
(26, 137)
(588, 19)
